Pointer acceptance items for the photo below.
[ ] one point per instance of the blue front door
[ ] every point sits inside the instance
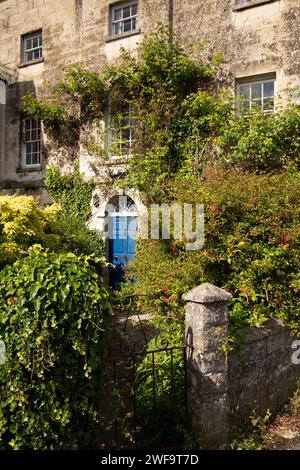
(121, 246)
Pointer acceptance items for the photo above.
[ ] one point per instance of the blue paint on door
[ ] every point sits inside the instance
(121, 246)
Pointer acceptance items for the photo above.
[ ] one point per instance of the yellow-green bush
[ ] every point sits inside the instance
(23, 222)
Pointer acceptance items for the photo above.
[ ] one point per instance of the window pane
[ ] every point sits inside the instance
(268, 104)
(35, 42)
(256, 91)
(126, 12)
(127, 26)
(268, 89)
(29, 56)
(36, 54)
(117, 28)
(126, 133)
(28, 44)
(117, 14)
(133, 10)
(244, 90)
(125, 122)
(245, 105)
(256, 104)
(133, 27)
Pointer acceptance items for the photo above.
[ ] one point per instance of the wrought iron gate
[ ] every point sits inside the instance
(149, 386)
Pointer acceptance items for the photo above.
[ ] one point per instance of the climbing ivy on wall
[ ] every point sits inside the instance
(183, 119)
(74, 194)
(70, 190)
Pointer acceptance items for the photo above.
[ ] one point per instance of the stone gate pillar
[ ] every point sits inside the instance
(206, 331)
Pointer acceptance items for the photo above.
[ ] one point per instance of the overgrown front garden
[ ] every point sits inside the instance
(193, 144)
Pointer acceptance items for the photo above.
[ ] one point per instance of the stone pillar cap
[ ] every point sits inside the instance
(207, 293)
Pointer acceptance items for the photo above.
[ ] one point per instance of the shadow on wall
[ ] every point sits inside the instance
(13, 173)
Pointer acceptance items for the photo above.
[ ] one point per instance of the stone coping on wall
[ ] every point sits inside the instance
(251, 4)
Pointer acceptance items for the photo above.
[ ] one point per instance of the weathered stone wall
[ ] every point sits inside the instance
(262, 375)
(73, 31)
(254, 40)
(258, 375)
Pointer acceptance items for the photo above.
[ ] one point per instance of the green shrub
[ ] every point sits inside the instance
(252, 239)
(52, 321)
(24, 222)
(74, 194)
(262, 141)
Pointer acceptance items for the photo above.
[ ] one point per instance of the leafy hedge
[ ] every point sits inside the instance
(24, 222)
(59, 227)
(262, 141)
(52, 321)
(252, 241)
(74, 194)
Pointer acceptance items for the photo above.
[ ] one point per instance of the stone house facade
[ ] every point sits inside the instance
(259, 40)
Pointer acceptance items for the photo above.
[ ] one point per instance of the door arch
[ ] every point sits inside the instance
(122, 227)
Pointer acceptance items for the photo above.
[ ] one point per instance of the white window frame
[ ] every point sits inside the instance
(31, 142)
(256, 80)
(243, 2)
(26, 50)
(248, 3)
(114, 30)
(119, 141)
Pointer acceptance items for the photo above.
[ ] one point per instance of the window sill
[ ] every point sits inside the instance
(117, 159)
(252, 4)
(24, 171)
(31, 62)
(117, 37)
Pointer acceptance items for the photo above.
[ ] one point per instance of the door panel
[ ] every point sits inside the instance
(121, 246)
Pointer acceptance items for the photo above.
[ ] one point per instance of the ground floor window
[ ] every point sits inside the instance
(256, 93)
(31, 145)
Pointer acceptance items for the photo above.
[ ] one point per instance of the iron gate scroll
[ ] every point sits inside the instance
(150, 383)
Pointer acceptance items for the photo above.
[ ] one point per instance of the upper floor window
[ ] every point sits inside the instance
(256, 93)
(31, 147)
(121, 130)
(32, 47)
(124, 17)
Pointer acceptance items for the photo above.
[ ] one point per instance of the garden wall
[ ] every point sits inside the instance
(258, 375)
(261, 373)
